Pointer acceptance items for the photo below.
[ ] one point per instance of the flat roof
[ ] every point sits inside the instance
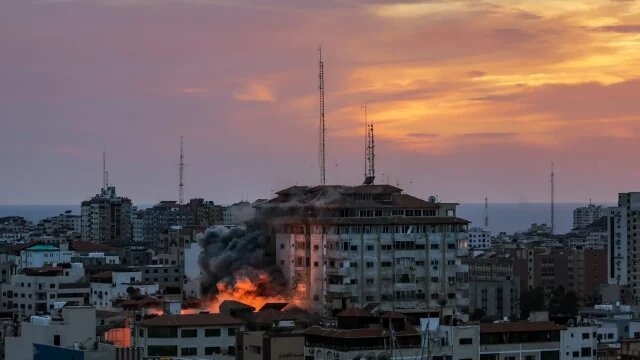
(191, 320)
(519, 326)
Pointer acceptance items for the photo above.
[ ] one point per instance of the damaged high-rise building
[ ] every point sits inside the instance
(356, 245)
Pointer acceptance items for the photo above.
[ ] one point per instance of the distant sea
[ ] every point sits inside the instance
(509, 217)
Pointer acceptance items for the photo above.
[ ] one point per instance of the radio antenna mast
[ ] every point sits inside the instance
(181, 175)
(322, 125)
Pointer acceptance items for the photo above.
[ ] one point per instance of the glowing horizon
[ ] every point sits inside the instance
(470, 98)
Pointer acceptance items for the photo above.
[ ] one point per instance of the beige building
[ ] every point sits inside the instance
(188, 336)
(344, 246)
(38, 290)
(74, 328)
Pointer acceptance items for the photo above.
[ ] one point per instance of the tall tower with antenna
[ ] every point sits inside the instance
(486, 212)
(322, 126)
(369, 156)
(552, 201)
(181, 175)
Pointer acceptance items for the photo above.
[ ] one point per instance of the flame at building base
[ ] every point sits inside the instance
(255, 291)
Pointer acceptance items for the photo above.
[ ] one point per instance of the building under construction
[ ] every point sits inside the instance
(356, 245)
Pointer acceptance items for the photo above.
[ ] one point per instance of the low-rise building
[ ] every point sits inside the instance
(479, 238)
(38, 290)
(39, 255)
(536, 341)
(109, 287)
(188, 336)
(168, 277)
(74, 327)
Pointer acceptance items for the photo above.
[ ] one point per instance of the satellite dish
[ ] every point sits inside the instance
(432, 199)
(384, 356)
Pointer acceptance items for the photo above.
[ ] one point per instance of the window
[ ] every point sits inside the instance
(466, 341)
(189, 333)
(210, 350)
(254, 349)
(576, 354)
(435, 246)
(585, 351)
(532, 357)
(585, 336)
(189, 351)
(232, 331)
(231, 350)
(141, 333)
(163, 332)
(162, 350)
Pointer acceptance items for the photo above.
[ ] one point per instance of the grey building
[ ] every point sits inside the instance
(498, 298)
(106, 218)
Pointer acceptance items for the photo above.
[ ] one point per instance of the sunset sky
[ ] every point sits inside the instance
(470, 98)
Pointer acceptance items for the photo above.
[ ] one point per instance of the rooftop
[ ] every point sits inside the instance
(519, 326)
(194, 320)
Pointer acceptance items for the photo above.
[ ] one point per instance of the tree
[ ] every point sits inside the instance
(531, 300)
(563, 303)
(477, 315)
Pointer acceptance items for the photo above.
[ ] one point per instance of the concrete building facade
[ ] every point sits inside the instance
(38, 290)
(622, 260)
(188, 336)
(586, 215)
(346, 246)
(479, 238)
(106, 218)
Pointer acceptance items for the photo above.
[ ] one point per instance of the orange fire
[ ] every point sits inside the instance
(248, 291)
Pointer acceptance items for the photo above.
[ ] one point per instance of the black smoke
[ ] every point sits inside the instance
(228, 255)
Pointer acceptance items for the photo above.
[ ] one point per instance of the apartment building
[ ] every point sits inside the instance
(74, 327)
(109, 287)
(479, 238)
(188, 336)
(39, 255)
(580, 270)
(106, 218)
(586, 215)
(359, 335)
(160, 218)
(168, 277)
(344, 246)
(497, 298)
(38, 290)
(622, 260)
(536, 341)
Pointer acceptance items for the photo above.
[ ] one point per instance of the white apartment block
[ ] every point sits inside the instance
(76, 327)
(237, 213)
(579, 342)
(370, 243)
(524, 340)
(110, 286)
(623, 249)
(479, 238)
(586, 215)
(188, 336)
(38, 290)
(39, 255)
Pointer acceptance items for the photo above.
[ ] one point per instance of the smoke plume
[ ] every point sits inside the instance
(235, 255)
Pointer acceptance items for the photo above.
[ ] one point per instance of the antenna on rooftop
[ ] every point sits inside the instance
(181, 175)
(105, 174)
(322, 126)
(486, 212)
(369, 155)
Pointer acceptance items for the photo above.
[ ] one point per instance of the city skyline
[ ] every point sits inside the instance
(470, 98)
